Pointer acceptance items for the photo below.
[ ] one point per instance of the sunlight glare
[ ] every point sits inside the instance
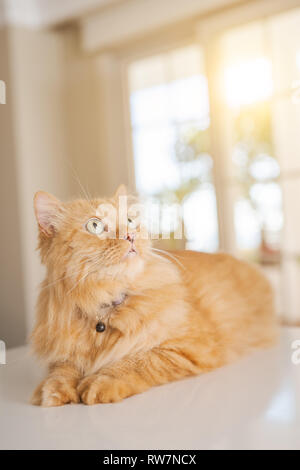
(298, 60)
(248, 82)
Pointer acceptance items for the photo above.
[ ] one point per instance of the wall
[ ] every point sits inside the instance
(95, 120)
(94, 127)
(12, 309)
(36, 81)
(55, 138)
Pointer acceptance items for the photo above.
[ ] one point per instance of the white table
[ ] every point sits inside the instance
(252, 404)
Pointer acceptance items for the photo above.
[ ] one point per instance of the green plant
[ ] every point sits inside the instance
(191, 154)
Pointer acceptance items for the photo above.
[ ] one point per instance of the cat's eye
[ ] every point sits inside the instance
(95, 226)
(131, 223)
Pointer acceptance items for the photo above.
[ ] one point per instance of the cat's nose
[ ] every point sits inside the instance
(130, 237)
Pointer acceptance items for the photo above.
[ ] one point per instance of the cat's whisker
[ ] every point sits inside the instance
(173, 257)
(68, 275)
(76, 177)
(161, 258)
(51, 284)
(84, 277)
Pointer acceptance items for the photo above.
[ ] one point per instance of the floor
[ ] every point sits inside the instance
(252, 404)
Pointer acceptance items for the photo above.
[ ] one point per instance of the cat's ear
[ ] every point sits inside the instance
(47, 211)
(121, 191)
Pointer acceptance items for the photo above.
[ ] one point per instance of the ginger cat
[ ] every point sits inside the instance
(115, 318)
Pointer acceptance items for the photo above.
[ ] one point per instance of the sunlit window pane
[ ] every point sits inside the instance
(150, 106)
(170, 131)
(248, 82)
(155, 168)
(200, 220)
(189, 98)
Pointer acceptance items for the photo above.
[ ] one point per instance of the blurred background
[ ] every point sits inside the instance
(194, 101)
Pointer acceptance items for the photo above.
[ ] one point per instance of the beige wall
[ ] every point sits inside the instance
(94, 120)
(37, 68)
(12, 309)
(55, 131)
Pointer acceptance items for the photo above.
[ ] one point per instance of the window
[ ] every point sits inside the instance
(258, 73)
(170, 131)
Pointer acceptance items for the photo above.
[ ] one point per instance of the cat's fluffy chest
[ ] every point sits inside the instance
(141, 322)
(153, 311)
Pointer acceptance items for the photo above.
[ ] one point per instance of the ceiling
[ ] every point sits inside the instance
(45, 13)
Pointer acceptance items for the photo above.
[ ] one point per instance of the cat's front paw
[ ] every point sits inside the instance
(102, 389)
(55, 392)
(112, 300)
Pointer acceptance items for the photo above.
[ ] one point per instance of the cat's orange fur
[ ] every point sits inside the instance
(178, 319)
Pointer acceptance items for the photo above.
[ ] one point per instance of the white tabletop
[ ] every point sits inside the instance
(252, 404)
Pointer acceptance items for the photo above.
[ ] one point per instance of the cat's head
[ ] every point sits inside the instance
(98, 237)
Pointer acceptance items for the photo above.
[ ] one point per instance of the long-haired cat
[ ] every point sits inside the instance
(115, 317)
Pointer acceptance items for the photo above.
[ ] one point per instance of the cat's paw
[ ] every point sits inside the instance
(112, 300)
(55, 392)
(102, 389)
